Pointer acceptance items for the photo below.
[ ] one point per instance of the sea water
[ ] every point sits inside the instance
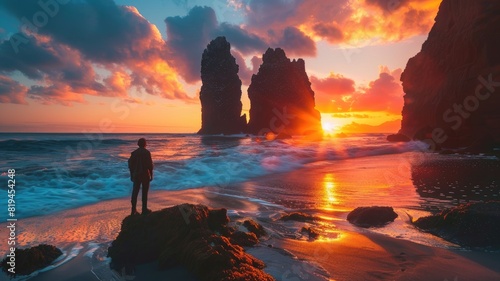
(56, 172)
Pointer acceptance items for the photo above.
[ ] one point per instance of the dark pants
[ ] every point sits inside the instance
(135, 192)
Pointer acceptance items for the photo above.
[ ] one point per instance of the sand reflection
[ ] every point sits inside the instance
(330, 196)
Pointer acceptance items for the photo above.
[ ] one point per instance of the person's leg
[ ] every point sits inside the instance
(145, 190)
(135, 193)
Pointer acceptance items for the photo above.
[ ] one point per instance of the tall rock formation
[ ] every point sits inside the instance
(453, 85)
(281, 97)
(220, 93)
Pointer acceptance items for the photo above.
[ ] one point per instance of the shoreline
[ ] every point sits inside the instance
(344, 251)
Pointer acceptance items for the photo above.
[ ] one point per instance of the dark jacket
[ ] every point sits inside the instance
(140, 164)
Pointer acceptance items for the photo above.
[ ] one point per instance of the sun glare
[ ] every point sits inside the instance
(328, 127)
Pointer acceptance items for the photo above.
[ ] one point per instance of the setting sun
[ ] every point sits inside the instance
(328, 127)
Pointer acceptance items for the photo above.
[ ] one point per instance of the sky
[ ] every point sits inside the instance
(134, 66)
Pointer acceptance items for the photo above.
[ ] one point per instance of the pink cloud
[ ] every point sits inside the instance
(337, 93)
(383, 94)
(12, 91)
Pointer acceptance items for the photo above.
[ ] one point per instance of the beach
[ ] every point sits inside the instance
(327, 190)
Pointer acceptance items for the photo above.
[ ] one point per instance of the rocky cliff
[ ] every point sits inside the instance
(281, 97)
(453, 85)
(220, 93)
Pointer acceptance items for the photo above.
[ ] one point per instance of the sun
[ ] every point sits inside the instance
(328, 127)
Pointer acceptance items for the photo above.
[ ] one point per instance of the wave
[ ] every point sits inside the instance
(55, 177)
(54, 145)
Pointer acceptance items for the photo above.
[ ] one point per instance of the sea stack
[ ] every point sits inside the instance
(453, 85)
(220, 93)
(281, 97)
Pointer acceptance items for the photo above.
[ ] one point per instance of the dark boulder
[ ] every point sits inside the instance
(244, 239)
(220, 93)
(297, 216)
(470, 225)
(281, 97)
(372, 216)
(31, 259)
(310, 232)
(255, 228)
(398, 138)
(190, 236)
(451, 86)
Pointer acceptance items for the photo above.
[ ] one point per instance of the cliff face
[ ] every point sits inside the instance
(453, 85)
(220, 93)
(281, 97)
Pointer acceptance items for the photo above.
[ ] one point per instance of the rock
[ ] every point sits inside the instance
(255, 228)
(220, 93)
(217, 219)
(398, 138)
(311, 232)
(31, 259)
(372, 216)
(186, 235)
(281, 97)
(469, 225)
(451, 85)
(244, 239)
(297, 216)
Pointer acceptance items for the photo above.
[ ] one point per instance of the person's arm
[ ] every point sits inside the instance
(150, 164)
(131, 166)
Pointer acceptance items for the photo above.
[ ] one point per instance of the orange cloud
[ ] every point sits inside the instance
(337, 93)
(383, 94)
(332, 92)
(350, 22)
(66, 59)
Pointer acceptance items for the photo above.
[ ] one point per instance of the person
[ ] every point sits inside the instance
(140, 165)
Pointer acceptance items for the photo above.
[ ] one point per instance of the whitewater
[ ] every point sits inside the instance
(56, 172)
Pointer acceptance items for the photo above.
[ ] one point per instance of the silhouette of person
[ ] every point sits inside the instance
(140, 165)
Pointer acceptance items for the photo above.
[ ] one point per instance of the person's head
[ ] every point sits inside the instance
(141, 142)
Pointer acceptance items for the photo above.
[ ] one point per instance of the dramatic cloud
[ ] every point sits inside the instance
(70, 49)
(189, 35)
(246, 42)
(187, 38)
(334, 85)
(388, 5)
(330, 31)
(62, 49)
(339, 94)
(383, 94)
(351, 22)
(11, 91)
(296, 43)
(333, 92)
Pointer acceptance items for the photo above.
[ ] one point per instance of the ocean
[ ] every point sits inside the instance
(251, 177)
(55, 172)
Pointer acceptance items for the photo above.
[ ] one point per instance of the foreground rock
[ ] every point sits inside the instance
(255, 228)
(298, 216)
(452, 85)
(281, 97)
(398, 138)
(310, 232)
(220, 93)
(470, 225)
(31, 259)
(190, 235)
(372, 216)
